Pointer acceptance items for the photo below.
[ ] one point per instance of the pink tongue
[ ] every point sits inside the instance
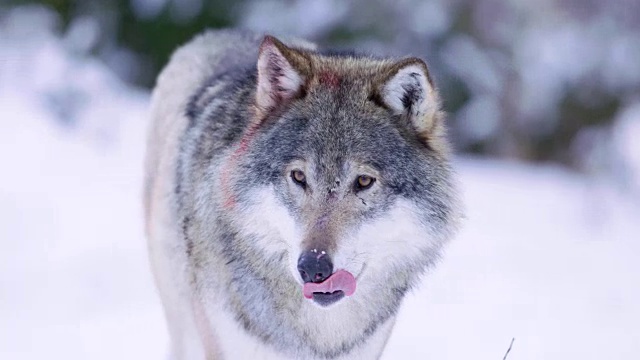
(340, 280)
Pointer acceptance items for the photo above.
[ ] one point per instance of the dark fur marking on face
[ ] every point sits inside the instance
(185, 232)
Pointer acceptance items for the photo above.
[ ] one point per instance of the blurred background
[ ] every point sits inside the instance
(537, 81)
(543, 100)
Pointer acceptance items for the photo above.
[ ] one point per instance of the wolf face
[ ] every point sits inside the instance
(333, 195)
(349, 164)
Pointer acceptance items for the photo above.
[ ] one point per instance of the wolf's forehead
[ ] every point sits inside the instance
(342, 126)
(352, 66)
(337, 146)
(352, 73)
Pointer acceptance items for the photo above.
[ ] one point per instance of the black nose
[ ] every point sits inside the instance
(315, 266)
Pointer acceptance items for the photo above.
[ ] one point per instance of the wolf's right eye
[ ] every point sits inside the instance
(299, 178)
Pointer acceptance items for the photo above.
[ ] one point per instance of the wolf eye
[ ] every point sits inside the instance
(299, 177)
(364, 182)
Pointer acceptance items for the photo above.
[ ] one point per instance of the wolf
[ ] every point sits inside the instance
(293, 196)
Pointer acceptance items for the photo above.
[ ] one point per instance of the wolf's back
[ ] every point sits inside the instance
(190, 66)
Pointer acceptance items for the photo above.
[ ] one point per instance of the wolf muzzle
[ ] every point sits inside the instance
(321, 284)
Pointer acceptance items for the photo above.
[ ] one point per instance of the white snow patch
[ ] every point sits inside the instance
(545, 257)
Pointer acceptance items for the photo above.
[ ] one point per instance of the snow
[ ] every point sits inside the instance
(74, 278)
(546, 256)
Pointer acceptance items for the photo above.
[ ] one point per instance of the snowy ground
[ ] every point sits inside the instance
(546, 257)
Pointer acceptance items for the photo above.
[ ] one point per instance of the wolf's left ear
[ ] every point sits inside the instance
(406, 89)
(282, 73)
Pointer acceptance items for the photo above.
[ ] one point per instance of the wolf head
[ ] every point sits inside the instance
(342, 176)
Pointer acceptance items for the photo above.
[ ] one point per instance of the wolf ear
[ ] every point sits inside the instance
(282, 72)
(406, 89)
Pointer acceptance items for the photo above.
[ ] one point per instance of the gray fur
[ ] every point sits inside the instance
(210, 147)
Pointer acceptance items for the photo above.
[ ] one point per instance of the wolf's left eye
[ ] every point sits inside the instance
(364, 182)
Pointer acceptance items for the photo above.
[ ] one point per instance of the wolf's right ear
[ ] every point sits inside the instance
(406, 89)
(282, 73)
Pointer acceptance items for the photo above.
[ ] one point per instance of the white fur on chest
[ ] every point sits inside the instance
(235, 343)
